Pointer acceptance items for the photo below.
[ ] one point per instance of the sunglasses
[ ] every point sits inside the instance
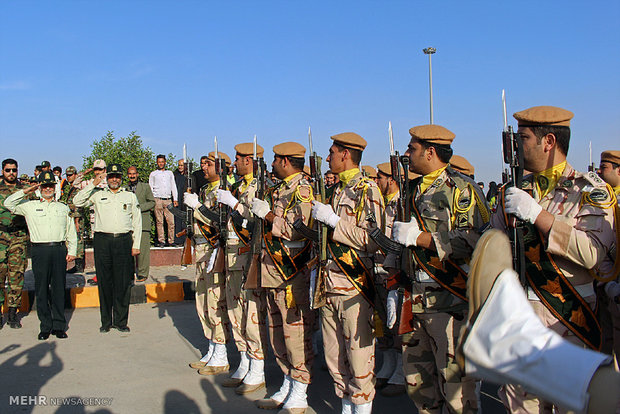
(97, 169)
(10, 170)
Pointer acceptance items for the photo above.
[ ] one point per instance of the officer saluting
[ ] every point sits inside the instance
(118, 230)
(50, 226)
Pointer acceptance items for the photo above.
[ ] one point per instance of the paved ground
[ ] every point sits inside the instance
(144, 371)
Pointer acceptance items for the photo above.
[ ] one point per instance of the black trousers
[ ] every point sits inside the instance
(115, 265)
(49, 265)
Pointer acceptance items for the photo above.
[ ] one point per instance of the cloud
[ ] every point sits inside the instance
(15, 86)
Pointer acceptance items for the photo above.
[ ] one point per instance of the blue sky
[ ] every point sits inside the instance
(184, 71)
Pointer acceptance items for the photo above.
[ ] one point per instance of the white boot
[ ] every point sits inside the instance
(508, 343)
(219, 357)
(244, 367)
(297, 397)
(363, 408)
(209, 353)
(389, 363)
(255, 378)
(284, 390)
(347, 406)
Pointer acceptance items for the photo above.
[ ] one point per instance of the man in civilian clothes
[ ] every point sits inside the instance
(164, 189)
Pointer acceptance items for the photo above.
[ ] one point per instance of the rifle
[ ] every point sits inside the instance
(221, 217)
(513, 156)
(186, 258)
(252, 276)
(591, 167)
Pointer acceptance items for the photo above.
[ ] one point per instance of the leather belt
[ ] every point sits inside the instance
(46, 244)
(115, 235)
(165, 199)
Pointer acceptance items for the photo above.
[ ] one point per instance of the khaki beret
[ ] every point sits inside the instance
(290, 149)
(386, 168)
(99, 164)
(413, 176)
(435, 134)
(368, 171)
(462, 165)
(611, 156)
(307, 169)
(544, 115)
(211, 156)
(247, 149)
(350, 140)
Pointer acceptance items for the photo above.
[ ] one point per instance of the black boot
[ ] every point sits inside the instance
(1, 320)
(13, 321)
(79, 265)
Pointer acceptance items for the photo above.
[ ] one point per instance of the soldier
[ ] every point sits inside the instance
(353, 208)
(570, 229)
(210, 275)
(462, 165)
(50, 227)
(390, 378)
(369, 172)
(246, 307)
(118, 230)
(68, 192)
(286, 277)
(13, 241)
(147, 203)
(450, 212)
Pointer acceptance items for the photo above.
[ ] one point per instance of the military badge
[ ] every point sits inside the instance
(598, 195)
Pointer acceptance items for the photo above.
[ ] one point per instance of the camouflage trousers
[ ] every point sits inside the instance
(348, 340)
(211, 298)
(79, 228)
(13, 263)
(246, 312)
(290, 331)
(434, 381)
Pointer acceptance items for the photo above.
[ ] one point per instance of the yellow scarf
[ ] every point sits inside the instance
(430, 178)
(347, 175)
(390, 197)
(247, 179)
(617, 190)
(545, 181)
(212, 185)
(290, 177)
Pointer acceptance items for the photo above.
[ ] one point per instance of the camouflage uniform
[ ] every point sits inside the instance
(579, 239)
(68, 193)
(210, 287)
(347, 317)
(13, 242)
(291, 320)
(246, 307)
(454, 211)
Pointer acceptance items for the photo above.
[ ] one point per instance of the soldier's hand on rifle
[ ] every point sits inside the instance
(521, 205)
(226, 197)
(260, 208)
(324, 213)
(191, 200)
(392, 300)
(406, 233)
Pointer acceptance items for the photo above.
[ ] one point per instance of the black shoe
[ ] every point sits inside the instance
(72, 270)
(141, 278)
(92, 282)
(167, 245)
(60, 334)
(13, 321)
(104, 329)
(122, 328)
(158, 244)
(1, 321)
(43, 336)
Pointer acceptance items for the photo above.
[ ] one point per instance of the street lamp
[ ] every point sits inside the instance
(429, 51)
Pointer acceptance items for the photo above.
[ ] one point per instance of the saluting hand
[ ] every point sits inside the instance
(31, 189)
(99, 178)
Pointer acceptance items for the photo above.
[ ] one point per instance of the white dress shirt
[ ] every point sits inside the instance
(163, 185)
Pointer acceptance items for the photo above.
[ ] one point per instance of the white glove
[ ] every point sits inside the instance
(612, 289)
(406, 233)
(392, 300)
(260, 208)
(191, 200)
(226, 197)
(324, 213)
(521, 205)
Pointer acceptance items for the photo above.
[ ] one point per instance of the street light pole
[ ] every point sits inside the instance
(429, 51)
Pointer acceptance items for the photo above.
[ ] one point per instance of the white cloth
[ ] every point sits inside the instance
(392, 299)
(163, 185)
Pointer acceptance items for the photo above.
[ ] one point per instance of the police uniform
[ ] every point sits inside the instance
(118, 230)
(68, 193)
(285, 277)
(451, 207)
(13, 261)
(53, 237)
(558, 282)
(347, 316)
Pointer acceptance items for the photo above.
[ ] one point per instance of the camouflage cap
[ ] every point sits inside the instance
(544, 115)
(435, 134)
(290, 149)
(99, 164)
(24, 177)
(114, 169)
(462, 165)
(46, 164)
(46, 177)
(350, 140)
(611, 156)
(247, 149)
(220, 154)
(368, 171)
(71, 170)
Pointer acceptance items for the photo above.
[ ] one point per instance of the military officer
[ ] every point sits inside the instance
(246, 307)
(13, 241)
(118, 231)
(354, 207)
(68, 192)
(570, 217)
(449, 212)
(286, 277)
(210, 275)
(54, 240)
